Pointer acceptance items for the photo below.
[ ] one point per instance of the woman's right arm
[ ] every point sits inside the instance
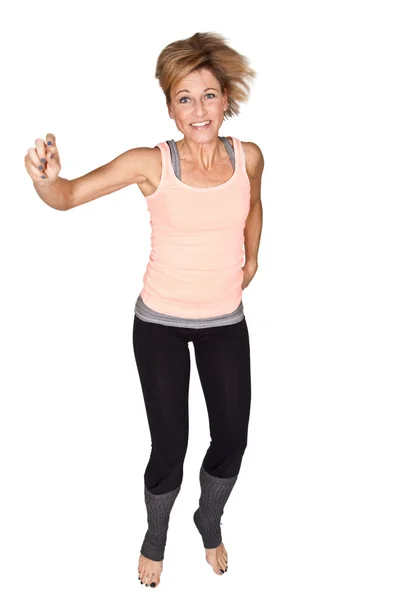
(63, 194)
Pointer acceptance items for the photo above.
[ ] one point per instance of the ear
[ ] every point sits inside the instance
(225, 99)
(170, 113)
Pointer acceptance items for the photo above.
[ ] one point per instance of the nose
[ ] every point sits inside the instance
(199, 109)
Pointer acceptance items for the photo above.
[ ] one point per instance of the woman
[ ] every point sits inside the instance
(203, 193)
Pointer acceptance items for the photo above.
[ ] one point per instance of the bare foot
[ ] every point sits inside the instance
(217, 558)
(149, 571)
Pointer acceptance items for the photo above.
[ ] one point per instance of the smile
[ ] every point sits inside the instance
(201, 125)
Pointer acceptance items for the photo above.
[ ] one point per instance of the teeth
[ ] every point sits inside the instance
(200, 124)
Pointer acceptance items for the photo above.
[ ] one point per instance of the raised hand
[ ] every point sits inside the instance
(43, 162)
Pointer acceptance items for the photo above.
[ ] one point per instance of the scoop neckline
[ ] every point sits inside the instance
(204, 189)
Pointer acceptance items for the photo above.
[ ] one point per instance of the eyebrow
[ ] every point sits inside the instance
(188, 91)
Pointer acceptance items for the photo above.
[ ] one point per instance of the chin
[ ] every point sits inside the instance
(205, 133)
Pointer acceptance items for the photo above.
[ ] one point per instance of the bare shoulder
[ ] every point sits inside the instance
(148, 159)
(254, 159)
(136, 165)
(152, 170)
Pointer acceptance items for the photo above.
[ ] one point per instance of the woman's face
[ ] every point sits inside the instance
(195, 99)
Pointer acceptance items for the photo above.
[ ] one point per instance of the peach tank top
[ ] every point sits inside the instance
(197, 248)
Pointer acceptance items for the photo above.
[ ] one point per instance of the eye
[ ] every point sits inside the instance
(187, 98)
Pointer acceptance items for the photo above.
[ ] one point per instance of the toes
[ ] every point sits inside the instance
(148, 577)
(141, 569)
(217, 563)
(144, 578)
(221, 561)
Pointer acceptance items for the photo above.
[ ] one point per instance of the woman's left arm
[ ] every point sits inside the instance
(253, 228)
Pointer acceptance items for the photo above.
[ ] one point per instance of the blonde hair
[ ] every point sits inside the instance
(210, 51)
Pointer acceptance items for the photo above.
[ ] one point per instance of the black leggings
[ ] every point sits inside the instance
(222, 355)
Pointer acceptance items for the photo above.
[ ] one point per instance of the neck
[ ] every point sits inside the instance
(203, 154)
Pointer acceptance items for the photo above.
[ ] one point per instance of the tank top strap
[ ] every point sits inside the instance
(229, 149)
(166, 166)
(241, 157)
(175, 158)
(170, 161)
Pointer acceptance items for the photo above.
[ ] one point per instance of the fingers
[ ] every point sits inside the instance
(46, 150)
(42, 150)
(51, 145)
(34, 164)
(43, 161)
(51, 139)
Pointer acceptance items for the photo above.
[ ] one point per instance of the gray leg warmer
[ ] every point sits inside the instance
(215, 492)
(159, 507)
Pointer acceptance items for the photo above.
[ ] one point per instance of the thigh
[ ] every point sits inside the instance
(163, 361)
(222, 357)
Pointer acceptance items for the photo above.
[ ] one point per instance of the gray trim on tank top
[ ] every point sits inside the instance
(145, 313)
(176, 158)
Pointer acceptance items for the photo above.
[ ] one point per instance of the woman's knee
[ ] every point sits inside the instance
(165, 466)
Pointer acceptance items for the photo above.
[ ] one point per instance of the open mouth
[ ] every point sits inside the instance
(201, 125)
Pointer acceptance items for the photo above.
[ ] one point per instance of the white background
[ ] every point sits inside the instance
(310, 516)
